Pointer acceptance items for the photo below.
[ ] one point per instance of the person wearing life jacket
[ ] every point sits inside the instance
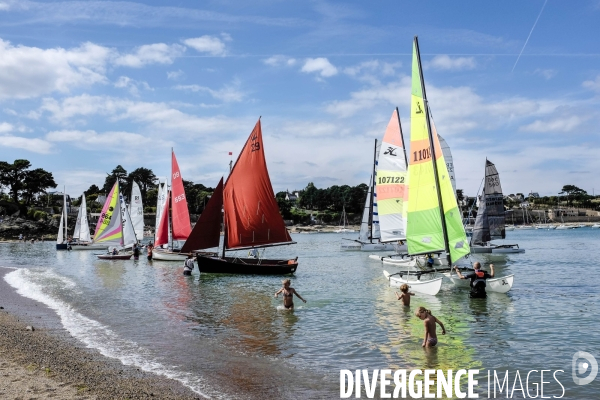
(478, 278)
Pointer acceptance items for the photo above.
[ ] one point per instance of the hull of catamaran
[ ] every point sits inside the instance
(115, 256)
(509, 228)
(595, 226)
(79, 247)
(168, 255)
(359, 246)
(350, 246)
(344, 230)
(212, 264)
(525, 227)
(409, 262)
(507, 249)
(563, 227)
(62, 246)
(480, 249)
(497, 285)
(425, 286)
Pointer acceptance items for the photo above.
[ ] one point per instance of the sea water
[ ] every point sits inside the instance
(226, 336)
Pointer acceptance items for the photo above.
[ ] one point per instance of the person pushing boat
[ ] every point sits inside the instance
(288, 295)
(478, 278)
(188, 266)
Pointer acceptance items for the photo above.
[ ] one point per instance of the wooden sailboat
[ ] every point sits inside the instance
(175, 225)
(490, 220)
(434, 223)
(251, 218)
(109, 230)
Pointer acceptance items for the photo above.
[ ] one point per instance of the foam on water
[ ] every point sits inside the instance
(94, 334)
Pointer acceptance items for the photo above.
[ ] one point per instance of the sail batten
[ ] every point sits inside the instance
(249, 188)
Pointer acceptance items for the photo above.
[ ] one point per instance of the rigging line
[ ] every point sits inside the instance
(530, 32)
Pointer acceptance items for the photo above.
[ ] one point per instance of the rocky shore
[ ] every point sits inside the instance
(40, 360)
(12, 227)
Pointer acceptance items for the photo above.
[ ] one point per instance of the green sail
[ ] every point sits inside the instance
(424, 226)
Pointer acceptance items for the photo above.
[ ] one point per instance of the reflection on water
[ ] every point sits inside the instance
(229, 330)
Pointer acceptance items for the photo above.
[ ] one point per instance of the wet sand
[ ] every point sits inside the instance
(48, 363)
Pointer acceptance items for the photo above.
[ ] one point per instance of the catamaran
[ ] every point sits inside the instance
(176, 225)
(434, 223)
(110, 229)
(251, 219)
(81, 235)
(489, 224)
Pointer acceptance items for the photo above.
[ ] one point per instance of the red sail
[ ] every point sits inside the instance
(162, 233)
(207, 231)
(179, 208)
(251, 213)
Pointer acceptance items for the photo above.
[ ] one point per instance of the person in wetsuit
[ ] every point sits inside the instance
(288, 295)
(478, 278)
(188, 267)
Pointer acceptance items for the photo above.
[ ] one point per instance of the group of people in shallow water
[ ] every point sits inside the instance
(477, 277)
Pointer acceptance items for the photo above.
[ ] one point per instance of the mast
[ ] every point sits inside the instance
(433, 156)
(373, 183)
(402, 137)
(65, 210)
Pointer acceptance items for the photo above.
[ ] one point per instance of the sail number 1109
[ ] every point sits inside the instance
(422, 155)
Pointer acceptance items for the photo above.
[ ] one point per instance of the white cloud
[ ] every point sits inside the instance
(280, 60)
(390, 94)
(132, 85)
(27, 72)
(4, 6)
(546, 73)
(5, 127)
(92, 140)
(446, 62)
(157, 53)
(158, 118)
(32, 144)
(320, 65)
(592, 85)
(207, 44)
(175, 75)
(566, 124)
(228, 94)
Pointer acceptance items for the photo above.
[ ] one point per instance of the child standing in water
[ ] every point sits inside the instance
(288, 295)
(429, 321)
(405, 296)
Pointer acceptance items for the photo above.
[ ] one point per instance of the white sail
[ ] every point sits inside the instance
(448, 157)
(60, 237)
(391, 183)
(128, 231)
(161, 200)
(136, 211)
(363, 234)
(82, 227)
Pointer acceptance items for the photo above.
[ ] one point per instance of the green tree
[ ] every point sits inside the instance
(145, 178)
(118, 173)
(93, 189)
(20, 180)
(36, 182)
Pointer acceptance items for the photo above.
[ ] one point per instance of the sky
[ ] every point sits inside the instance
(89, 85)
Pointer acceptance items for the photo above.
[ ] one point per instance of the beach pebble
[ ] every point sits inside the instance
(30, 328)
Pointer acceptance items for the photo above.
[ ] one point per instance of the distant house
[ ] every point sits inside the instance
(535, 195)
(293, 197)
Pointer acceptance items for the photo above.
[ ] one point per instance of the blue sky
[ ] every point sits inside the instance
(87, 85)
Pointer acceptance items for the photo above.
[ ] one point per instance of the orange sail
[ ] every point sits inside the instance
(252, 217)
(207, 231)
(162, 233)
(179, 208)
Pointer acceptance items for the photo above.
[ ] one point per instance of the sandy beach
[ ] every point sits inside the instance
(48, 363)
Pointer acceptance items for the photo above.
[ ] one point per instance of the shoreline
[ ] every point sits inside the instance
(48, 360)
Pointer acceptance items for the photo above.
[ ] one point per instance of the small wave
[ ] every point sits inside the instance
(97, 336)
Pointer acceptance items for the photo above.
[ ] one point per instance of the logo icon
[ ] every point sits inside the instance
(580, 367)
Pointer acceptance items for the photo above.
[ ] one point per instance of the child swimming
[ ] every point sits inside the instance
(288, 295)
(429, 321)
(405, 296)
